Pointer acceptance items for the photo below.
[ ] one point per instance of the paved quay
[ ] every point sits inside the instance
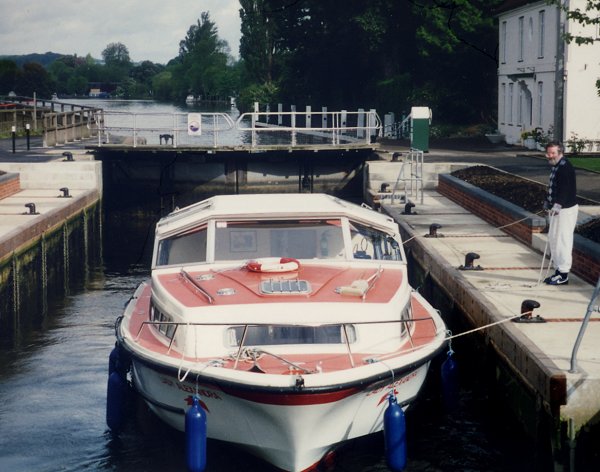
(43, 174)
(539, 354)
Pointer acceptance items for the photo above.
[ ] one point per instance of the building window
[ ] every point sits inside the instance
(503, 39)
(540, 107)
(520, 107)
(503, 103)
(541, 33)
(521, 37)
(510, 102)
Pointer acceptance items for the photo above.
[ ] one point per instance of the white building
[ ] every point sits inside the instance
(543, 82)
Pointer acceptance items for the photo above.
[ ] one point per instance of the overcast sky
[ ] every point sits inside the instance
(151, 29)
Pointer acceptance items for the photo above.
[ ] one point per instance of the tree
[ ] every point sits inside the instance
(116, 54)
(203, 60)
(8, 75)
(34, 78)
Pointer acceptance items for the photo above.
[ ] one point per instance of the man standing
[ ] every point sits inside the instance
(561, 203)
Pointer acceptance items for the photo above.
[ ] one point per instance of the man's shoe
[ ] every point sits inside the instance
(559, 278)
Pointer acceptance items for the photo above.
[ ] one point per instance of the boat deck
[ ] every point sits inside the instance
(421, 334)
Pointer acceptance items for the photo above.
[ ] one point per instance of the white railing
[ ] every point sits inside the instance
(254, 129)
(170, 129)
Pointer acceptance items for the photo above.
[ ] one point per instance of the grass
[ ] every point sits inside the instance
(587, 163)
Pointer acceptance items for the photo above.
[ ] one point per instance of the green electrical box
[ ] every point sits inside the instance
(419, 134)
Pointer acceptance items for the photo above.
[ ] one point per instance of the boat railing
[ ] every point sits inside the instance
(590, 309)
(255, 129)
(406, 331)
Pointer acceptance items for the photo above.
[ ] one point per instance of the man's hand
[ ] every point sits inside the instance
(555, 210)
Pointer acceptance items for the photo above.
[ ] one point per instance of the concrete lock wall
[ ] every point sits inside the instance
(47, 268)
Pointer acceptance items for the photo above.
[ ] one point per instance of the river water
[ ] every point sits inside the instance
(53, 396)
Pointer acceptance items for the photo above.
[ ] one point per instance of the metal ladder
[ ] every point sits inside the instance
(409, 182)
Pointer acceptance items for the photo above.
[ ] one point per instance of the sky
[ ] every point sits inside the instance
(150, 29)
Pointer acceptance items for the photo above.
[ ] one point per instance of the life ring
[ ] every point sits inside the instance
(273, 264)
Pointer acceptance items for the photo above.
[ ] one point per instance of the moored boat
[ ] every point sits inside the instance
(289, 316)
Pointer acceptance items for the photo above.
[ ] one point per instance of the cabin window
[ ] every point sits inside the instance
(280, 335)
(187, 248)
(162, 322)
(300, 239)
(405, 318)
(370, 243)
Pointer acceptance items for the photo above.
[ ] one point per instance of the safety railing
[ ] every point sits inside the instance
(590, 309)
(171, 129)
(254, 129)
(406, 332)
(398, 129)
(310, 128)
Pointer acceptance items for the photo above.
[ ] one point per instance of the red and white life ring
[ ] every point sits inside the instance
(273, 264)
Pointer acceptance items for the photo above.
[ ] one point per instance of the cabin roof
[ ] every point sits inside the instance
(269, 205)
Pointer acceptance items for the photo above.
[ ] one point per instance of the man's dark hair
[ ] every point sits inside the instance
(560, 147)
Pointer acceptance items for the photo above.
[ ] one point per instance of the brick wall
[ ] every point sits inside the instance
(499, 212)
(9, 185)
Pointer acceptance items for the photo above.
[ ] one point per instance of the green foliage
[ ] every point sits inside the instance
(575, 144)
(589, 16)
(588, 163)
(8, 75)
(203, 67)
(33, 78)
(381, 54)
(261, 93)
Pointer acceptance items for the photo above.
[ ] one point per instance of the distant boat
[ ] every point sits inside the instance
(54, 97)
(190, 100)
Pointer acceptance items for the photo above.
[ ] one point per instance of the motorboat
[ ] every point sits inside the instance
(190, 100)
(288, 316)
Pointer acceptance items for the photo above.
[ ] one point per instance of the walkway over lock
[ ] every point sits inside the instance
(253, 131)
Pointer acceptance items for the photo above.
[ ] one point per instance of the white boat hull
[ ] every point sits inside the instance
(290, 436)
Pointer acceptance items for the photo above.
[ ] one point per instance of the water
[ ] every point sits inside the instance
(53, 390)
(53, 396)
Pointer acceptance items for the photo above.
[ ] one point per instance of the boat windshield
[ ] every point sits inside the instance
(300, 239)
(295, 238)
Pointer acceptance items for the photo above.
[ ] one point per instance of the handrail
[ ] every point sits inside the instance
(367, 124)
(171, 125)
(246, 326)
(345, 128)
(398, 128)
(583, 327)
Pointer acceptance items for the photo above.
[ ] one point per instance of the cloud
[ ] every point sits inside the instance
(151, 29)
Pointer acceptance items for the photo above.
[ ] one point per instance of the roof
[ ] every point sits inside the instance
(272, 205)
(513, 4)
